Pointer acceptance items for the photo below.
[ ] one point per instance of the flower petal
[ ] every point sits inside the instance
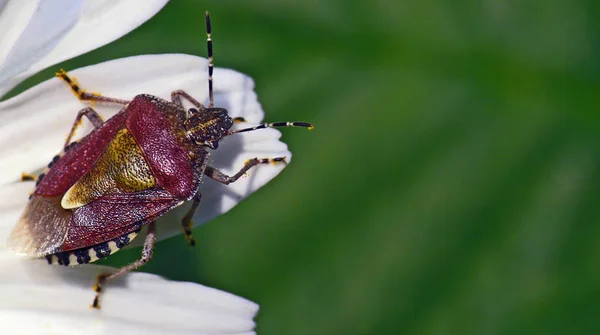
(38, 298)
(32, 30)
(35, 35)
(51, 107)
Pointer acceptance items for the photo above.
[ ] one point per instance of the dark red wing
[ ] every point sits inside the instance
(77, 161)
(114, 215)
(46, 228)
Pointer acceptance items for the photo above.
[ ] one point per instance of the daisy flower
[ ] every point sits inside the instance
(38, 298)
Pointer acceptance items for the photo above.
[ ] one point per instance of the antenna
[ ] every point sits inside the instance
(273, 125)
(210, 60)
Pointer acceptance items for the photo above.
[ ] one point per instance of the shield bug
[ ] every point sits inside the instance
(97, 194)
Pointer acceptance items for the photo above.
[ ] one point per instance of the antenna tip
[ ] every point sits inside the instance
(207, 14)
(311, 127)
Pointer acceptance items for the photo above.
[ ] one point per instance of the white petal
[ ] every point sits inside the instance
(35, 35)
(39, 298)
(34, 124)
(31, 30)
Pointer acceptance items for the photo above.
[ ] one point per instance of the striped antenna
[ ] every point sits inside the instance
(210, 60)
(273, 125)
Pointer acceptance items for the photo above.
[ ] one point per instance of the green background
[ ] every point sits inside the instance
(451, 184)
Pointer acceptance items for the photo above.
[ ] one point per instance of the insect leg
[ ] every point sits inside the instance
(91, 114)
(176, 99)
(84, 96)
(28, 177)
(225, 179)
(94, 118)
(177, 95)
(186, 222)
(146, 256)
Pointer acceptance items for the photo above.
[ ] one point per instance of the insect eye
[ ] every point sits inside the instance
(193, 111)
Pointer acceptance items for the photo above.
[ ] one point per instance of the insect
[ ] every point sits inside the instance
(97, 194)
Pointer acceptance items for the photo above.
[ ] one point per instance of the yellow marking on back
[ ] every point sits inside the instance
(120, 169)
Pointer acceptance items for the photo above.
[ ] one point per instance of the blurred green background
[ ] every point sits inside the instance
(451, 184)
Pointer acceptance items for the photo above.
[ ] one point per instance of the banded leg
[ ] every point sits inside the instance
(225, 179)
(84, 96)
(186, 222)
(91, 114)
(28, 177)
(146, 256)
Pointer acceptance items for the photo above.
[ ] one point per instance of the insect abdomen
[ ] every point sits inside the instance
(93, 253)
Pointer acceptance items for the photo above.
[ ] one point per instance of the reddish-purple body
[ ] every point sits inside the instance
(157, 127)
